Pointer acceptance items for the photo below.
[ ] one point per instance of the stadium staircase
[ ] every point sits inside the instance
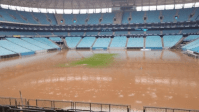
(144, 43)
(93, 43)
(110, 43)
(177, 45)
(162, 42)
(78, 43)
(65, 43)
(126, 42)
(118, 17)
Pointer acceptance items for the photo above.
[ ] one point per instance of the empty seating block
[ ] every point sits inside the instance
(153, 16)
(102, 43)
(91, 33)
(94, 18)
(76, 33)
(81, 19)
(86, 42)
(61, 33)
(137, 17)
(15, 48)
(125, 17)
(68, 19)
(47, 42)
(171, 40)
(16, 15)
(108, 18)
(168, 15)
(191, 37)
(195, 16)
(135, 42)
(9, 33)
(28, 16)
(153, 42)
(52, 19)
(154, 32)
(42, 18)
(196, 49)
(56, 39)
(184, 14)
(191, 45)
(121, 32)
(136, 32)
(171, 32)
(190, 31)
(106, 33)
(5, 52)
(25, 44)
(6, 16)
(44, 33)
(37, 43)
(118, 42)
(72, 41)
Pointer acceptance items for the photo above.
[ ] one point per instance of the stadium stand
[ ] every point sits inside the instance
(28, 16)
(5, 52)
(72, 41)
(102, 43)
(171, 40)
(168, 15)
(191, 45)
(56, 39)
(184, 14)
(6, 16)
(42, 18)
(68, 19)
(118, 42)
(61, 33)
(47, 42)
(167, 32)
(153, 32)
(86, 42)
(195, 16)
(135, 42)
(52, 18)
(153, 16)
(44, 33)
(136, 32)
(196, 49)
(191, 37)
(16, 33)
(81, 19)
(25, 44)
(37, 43)
(125, 17)
(94, 18)
(137, 17)
(92, 33)
(117, 33)
(108, 18)
(16, 15)
(106, 33)
(15, 48)
(153, 42)
(190, 31)
(76, 33)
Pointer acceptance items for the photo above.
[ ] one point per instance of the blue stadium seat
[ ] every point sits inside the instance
(56, 39)
(191, 45)
(86, 42)
(102, 43)
(52, 18)
(135, 42)
(153, 32)
(171, 40)
(125, 17)
(195, 16)
(118, 42)
(190, 31)
(171, 32)
(42, 18)
(15, 14)
(106, 33)
(136, 32)
(94, 18)
(47, 42)
(72, 41)
(6, 16)
(153, 16)
(184, 14)
(168, 15)
(61, 33)
(153, 42)
(68, 19)
(108, 18)
(117, 33)
(5, 52)
(28, 16)
(44, 33)
(81, 19)
(76, 33)
(92, 33)
(191, 37)
(137, 17)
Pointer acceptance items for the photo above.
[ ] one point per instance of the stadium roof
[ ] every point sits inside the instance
(90, 4)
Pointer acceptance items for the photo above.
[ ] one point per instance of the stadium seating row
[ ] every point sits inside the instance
(193, 45)
(188, 14)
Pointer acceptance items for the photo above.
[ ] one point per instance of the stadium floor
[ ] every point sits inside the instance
(139, 78)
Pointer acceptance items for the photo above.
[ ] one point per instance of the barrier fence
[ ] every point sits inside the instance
(160, 109)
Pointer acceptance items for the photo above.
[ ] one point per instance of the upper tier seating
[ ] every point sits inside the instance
(135, 42)
(153, 42)
(108, 18)
(6, 16)
(86, 42)
(153, 16)
(191, 45)
(47, 42)
(5, 52)
(195, 16)
(56, 39)
(61, 33)
(76, 33)
(13, 47)
(37, 43)
(28, 16)
(121, 33)
(184, 14)
(125, 17)
(42, 18)
(190, 31)
(94, 18)
(102, 42)
(191, 37)
(136, 32)
(137, 17)
(168, 15)
(68, 19)
(153, 32)
(52, 19)
(16, 33)
(118, 42)
(171, 40)
(24, 44)
(81, 19)
(44, 33)
(16, 15)
(171, 31)
(72, 41)
(91, 33)
(106, 33)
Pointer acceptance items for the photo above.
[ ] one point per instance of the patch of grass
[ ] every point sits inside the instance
(97, 60)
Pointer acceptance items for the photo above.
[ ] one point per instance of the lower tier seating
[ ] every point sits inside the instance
(72, 41)
(118, 42)
(47, 42)
(135, 42)
(153, 42)
(171, 40)
(56, 39)
(86, 42)
(191, 45)
(5, 52)
(191, 37)
(102, 43)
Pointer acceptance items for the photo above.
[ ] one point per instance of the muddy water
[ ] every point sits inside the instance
(151, 78)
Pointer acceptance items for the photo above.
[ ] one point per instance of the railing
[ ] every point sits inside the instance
(161, 109)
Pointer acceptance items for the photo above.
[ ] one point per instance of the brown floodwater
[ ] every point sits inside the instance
(138, 78)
